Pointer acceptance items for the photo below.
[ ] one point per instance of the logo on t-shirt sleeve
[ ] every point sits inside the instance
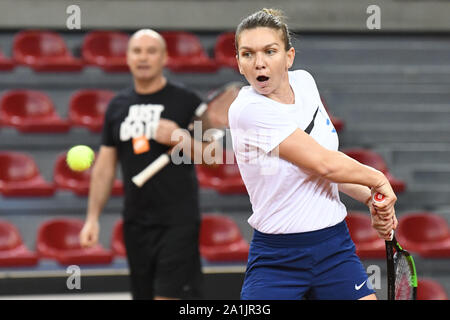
(327, 120)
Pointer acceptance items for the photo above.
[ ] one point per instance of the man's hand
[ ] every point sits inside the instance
(89, 233)
(165, 133)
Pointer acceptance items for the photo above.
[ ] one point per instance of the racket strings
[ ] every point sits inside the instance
(403, 278)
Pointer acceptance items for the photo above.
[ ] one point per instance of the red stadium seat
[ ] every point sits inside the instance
(5, 63)
(428, 289)
(337, 122)
(20, 177)
(374, 160)
(368, 244)
(107, 50)
(58, 239)
(221, 240)
(186, 53)
(44, 51)
(77, 182)
(425, 233)
(13, 253)
(87, 108)
(224, 178)
(225, 51)
(30, 111)
(117, 243)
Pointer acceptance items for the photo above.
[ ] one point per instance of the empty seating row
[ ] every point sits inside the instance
(58, 239)
(46, 51)
(34, 111)
(423, 233)
(20, 176)
(220, 241)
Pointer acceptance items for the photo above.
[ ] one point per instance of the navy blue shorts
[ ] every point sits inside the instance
(319, 264)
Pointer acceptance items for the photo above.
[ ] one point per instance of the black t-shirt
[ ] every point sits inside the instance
(170, 196)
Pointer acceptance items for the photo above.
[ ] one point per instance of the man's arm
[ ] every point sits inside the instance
(102, 179)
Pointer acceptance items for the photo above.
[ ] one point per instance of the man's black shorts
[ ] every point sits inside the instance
(164, 260)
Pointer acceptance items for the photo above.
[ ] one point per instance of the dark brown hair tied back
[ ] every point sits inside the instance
(274, 12)
(269, 18)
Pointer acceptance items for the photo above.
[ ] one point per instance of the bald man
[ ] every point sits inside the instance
(161, 219)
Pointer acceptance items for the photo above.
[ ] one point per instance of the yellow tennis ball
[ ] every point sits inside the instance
(80, 158)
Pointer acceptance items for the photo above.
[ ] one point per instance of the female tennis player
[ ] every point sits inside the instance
(286, 149)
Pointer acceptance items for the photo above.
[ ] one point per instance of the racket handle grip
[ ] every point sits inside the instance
(378, 197)
(391, 237)
(153, 168)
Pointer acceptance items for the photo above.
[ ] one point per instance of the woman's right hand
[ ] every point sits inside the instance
(383, 212)
(89, 234)
(386, 207)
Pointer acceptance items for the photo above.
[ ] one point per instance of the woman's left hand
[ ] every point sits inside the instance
(383, 223)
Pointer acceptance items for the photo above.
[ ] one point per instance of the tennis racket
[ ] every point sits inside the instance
(217, 105)
(401, 269)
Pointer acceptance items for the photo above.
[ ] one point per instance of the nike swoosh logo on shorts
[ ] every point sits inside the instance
(360, 286)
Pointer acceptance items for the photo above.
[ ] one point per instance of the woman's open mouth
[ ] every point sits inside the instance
(262, 78)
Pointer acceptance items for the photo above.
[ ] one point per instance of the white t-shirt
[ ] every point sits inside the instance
(284, 198)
